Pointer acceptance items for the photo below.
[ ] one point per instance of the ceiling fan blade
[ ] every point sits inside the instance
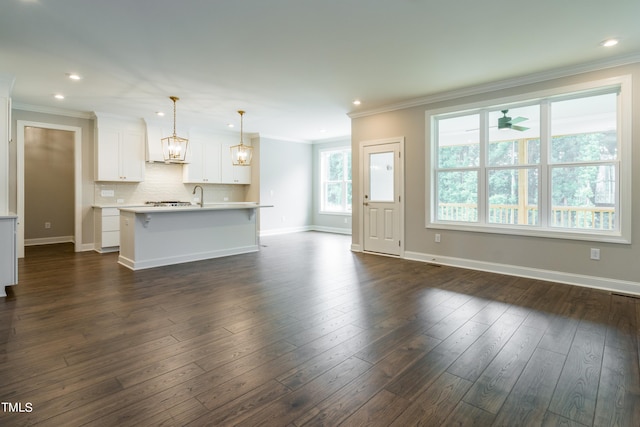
(518, 120)
(519, 128)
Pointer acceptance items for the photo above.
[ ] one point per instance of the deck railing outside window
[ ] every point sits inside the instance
(592, 218)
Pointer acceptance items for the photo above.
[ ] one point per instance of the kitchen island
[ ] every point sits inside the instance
(156, 236)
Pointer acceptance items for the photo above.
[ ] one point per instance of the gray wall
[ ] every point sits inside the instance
(619, 262)
(322, 221)
(48, 184)
(285, 183)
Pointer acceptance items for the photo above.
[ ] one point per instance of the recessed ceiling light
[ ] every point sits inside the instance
(58, 96)
(356, 102)
(610, 42)
(74, 76)
(159, 113)
(230, 125)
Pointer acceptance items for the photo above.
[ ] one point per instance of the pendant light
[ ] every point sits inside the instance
(241, 154)
(174, 148)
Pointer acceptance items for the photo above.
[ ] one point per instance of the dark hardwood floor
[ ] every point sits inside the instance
(307, 333)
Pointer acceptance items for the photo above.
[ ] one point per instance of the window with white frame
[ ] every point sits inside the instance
(335, 178)
(555, 165)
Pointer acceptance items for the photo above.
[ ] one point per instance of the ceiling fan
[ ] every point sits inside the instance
(506, 122)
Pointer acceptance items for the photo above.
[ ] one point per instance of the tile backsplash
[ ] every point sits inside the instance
(163, 182)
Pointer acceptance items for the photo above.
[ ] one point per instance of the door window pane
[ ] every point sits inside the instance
(381, 177)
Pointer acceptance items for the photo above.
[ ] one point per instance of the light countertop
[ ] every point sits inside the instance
(195, 208)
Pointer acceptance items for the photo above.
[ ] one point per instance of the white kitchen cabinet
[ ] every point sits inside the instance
(204, 161)
(119, 149)
(107, 229)
(231, 174)
(8, 253)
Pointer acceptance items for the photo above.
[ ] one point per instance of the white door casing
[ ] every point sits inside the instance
(382, 187)
(77, 153)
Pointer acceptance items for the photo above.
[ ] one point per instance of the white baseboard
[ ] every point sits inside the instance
(277, 231)
(335, 230)
(48, 240)
(85, 247)
(603, 283)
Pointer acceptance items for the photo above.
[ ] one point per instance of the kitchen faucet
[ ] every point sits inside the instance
(201, 194)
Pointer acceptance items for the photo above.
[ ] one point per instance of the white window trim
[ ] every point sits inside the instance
(321, 153)
(622, 235)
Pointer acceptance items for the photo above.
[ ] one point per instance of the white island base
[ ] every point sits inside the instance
(155, 236)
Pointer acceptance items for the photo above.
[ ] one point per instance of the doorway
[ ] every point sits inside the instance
(29, 137)
(382, 189)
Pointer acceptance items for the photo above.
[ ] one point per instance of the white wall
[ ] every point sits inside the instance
(285, 183)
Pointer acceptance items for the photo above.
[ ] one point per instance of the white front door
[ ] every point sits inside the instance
(382, 205)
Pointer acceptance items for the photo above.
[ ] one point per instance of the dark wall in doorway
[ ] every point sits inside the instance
(49, 184)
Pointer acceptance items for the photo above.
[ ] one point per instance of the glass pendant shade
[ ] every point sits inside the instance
(241, 154)
(174, 148)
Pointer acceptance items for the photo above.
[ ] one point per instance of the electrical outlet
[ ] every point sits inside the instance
(437, 237)
(595, 254)
(47, 224)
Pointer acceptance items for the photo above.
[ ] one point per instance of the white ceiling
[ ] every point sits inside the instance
(295, 66)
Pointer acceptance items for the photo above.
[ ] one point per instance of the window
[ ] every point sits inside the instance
(549, 166)
(335, 167)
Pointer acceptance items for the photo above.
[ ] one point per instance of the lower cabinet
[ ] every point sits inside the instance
(107, 229)
(8, 253)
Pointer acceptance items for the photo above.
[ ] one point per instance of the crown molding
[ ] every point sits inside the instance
(503, 84)
(53, 110)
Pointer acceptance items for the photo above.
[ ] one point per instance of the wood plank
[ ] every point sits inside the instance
(494, 385)
(468, 415)
(427, 369)
(576, 393)
(478, 356)
(528, 401)
(435, 403)
(618, 402)
(340, 405)
(380, 410)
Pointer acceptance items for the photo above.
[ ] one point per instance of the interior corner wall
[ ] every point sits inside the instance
(532, 255)
(285, 183)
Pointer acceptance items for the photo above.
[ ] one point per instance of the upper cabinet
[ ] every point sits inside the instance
(119, 149)
(203, 154)
(209, 160)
